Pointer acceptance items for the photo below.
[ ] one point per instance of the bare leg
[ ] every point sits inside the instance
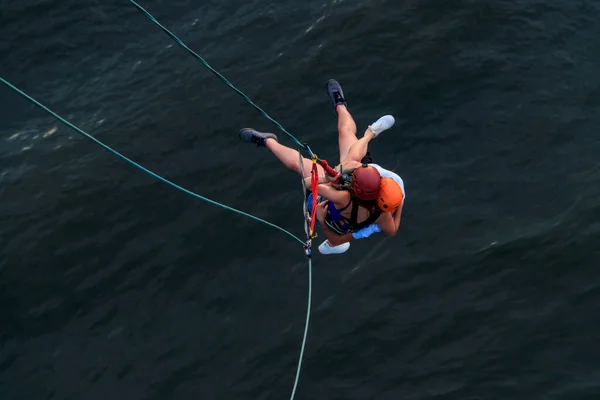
(359, 148)
(291, 159)
(346, 130)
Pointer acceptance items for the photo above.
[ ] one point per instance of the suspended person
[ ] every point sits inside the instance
(353, 153)
(352, 213)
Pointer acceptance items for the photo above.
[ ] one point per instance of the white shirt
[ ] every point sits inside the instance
(389, 174)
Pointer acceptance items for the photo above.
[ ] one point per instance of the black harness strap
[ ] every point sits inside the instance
(354, 213)
(354, 226)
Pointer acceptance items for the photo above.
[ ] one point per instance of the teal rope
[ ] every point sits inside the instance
(176, 39)
(116, 153)
(303, 146)
(168, 182)
(305, 328)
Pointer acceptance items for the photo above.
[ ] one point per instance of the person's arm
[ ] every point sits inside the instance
(366, 231)
(308, 181)
(346, 168)
(390, 222)
(398, 216)
(391, 225)
(340, 198)
(333, 238)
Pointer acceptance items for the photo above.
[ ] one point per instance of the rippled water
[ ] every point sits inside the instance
(114, 285)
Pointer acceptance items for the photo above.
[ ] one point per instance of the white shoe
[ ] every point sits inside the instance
(326, 248)
(382, 124)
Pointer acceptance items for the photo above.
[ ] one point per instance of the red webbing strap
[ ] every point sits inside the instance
(314, 174)
(331, 172)
(328, 170)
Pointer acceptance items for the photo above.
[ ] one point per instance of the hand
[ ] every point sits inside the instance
(333, 180)
(330, 178)
(322, 211)
(337, 182)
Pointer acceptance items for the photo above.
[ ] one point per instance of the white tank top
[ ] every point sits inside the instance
(389, 174)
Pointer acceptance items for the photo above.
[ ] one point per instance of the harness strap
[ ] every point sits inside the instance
(372, 218)
(328, 170)
(314, 173)
(354, 214)
(355, 226)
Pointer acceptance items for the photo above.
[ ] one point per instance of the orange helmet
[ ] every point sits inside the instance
(390, 195)
(365, 182)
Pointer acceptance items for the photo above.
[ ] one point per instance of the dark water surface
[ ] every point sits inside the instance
(113, 285)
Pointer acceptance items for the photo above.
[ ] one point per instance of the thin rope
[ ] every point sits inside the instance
(306, 230)
(155, 175)
(247, 99)
(174, 185)
(305, 328)
(193, 53)
(304, 206)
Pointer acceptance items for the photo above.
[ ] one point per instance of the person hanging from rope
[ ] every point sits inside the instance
(358, 208)
(354, 154)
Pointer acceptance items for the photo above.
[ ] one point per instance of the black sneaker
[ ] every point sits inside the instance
(334, 89)
(249, 135)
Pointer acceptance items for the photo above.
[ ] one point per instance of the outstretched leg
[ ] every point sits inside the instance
(288, 156)
(346, 131)
(291, 158)
(359, 148)
(346, 125)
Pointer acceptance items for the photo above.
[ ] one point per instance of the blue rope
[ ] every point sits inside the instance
(193, 53)
(116, 153)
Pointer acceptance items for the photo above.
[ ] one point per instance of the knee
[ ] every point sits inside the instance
(347, 129)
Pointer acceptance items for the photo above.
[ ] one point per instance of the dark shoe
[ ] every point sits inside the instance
(249, 135)
(334, 89)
